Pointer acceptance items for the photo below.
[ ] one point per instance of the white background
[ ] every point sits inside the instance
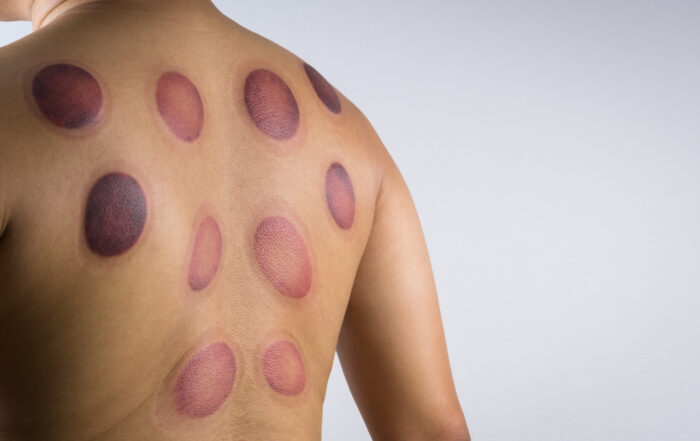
(553, 151)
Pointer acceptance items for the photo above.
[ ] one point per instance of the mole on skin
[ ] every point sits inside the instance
(282, 256)
(283, 368)
(271, 104)
(180, 105)
(206, 254)
(206, 381)
(340, 195)
(323, 89)
(67, 95)
(115, 214)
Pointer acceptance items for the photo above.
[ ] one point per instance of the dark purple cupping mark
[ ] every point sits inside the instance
(271, 104)
(340, 195)
(69, 96)
(323, 89)
(115, 214)
(206, 381)
(180, 105)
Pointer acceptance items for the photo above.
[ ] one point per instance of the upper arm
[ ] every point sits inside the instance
(392, 346)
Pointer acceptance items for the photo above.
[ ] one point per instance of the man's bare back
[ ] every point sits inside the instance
(193, 220)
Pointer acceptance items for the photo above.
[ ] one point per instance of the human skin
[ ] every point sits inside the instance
(206, 254)
(180, 105)
(204, 287)
(67, 95)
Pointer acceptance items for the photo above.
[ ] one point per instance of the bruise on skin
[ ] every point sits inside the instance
(323, 89)
(206, 254)
(206, 381)
(115, 214)
(271, 104)
(180, 105)
(340, 196)
(283, 368)
(67, 95)
(282, 256)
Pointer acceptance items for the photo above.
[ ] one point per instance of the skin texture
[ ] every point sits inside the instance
(180, 105)
(206, 254)
(271, 104)
(282, 256)
(206, 381)
(115, 214)
(391, 349)
(104, 349)
(340, 196)
(283, 368)
(323, 89)
(67, 95)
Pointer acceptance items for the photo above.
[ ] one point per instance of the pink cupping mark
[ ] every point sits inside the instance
(206, 381)
(180, 105)
(206, 254)
(283, 368)
(282, 256)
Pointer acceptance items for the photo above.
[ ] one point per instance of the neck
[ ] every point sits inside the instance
(43, 12)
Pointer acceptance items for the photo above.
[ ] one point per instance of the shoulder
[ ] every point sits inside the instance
(332, 120)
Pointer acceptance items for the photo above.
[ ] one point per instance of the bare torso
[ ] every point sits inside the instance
(181, 238)
(193, 220)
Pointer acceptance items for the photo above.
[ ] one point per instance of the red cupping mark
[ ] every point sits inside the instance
(323, 89)
(69, 96)
(206, 254)
(340, 195)
(283, 368)
(180, 105)
(206, 381)
(115, 214)
(271, 104)
(282, 256)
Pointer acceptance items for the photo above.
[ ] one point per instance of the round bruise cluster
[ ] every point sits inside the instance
(116, 211)
(283, 368)
(180, 105)
(206, 381)
(323, 89)
(340, 196)
(279, 247)
(271, 104)
(282, 256)
(68, 95)
(115, 214)
(206, 254)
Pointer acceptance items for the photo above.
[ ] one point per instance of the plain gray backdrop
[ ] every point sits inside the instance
(553, 152)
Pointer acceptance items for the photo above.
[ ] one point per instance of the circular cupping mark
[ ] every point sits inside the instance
(206, 381)
(180, 105)
(281, 253)
(206, 254)
(340, 195)
(271, 104)
(115, 214)
(323, 89)
(283, 368)
(67, 95)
